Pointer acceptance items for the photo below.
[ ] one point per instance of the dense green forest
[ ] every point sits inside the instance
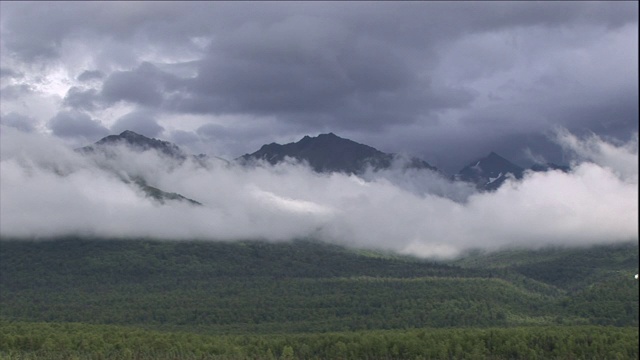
(82, 341)
(256, 296)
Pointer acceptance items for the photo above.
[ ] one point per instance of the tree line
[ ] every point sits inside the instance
(19, 340)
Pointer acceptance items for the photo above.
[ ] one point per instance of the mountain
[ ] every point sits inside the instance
(331, 153)
(324, 153)
(140, 143)
(136, 142)
(161, 196)
(489, 172)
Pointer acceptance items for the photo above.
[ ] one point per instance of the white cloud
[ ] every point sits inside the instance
(48, 190)
(621, 159)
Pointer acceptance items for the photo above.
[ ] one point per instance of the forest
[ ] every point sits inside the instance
(139, 298)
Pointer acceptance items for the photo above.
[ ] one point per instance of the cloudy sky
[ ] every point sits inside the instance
(445, 81)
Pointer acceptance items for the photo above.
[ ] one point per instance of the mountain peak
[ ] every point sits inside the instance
(489, 172)
(328, 153)
(130, 134)
(134, 138)
(493, 157)
(325, 137)
(137, 142)
(329, 135)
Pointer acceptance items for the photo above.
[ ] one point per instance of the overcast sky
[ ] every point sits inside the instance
(445, 81)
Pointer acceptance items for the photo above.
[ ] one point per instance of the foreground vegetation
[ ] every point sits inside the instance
(141, 299)
(69, 340)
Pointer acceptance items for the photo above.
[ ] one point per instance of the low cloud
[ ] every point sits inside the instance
(622, 159)
(50, 190)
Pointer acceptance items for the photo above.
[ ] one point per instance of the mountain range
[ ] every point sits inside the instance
(324, 153)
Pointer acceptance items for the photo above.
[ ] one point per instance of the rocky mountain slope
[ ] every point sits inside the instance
(331, 153)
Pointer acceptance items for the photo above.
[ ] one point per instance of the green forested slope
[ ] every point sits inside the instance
(305, 286)
(598, 282)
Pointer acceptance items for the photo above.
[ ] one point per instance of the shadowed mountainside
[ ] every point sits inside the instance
(329, 153)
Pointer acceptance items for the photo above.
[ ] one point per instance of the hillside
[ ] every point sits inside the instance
(304, 286)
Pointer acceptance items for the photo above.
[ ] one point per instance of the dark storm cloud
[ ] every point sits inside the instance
(37, 31)
(480, 16)
(18, 121)
(140, 121)
(76, 124)
(310, 70)
(183, 137)
(9, 73)
(89, 75)
(14, 92)
(141, 85)
(42, 28)
(145, 85)
(212, 131)
(443, 80)
(82, 99)
(616, 115)
(248, 135)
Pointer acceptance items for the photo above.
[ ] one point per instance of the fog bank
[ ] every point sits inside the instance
(50, 190)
